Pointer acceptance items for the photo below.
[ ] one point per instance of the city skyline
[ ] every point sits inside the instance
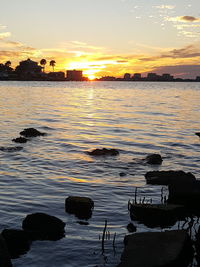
(104, 38)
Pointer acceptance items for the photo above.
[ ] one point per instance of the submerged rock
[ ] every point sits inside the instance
(80, 206)
(42, 226)
(198, 134)
(131, 228)
(150, 249)
(18, 242)
(167, 177)
(103, 152)
(157, 215)
(5, 260)
(31, 132)
(154, 159)
(11, 149)
(20, 140)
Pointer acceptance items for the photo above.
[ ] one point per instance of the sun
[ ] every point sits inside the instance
(91, 77)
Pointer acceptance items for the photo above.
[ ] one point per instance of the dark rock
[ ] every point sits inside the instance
(31, 132)
(80, 206)
(131, 228)
(157, 215)
(103, 152)
(167, 177)
(18, 242)
(186, 193)
(42, 226)
(83, 223)
(11, 149)
(198, 134)
(121, 174)
(20, 140)
(154, 159)
(160, 249)
(5, 260)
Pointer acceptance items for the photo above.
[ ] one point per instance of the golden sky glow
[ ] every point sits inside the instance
(108, 38)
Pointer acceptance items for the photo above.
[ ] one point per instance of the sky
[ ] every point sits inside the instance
(104, 37)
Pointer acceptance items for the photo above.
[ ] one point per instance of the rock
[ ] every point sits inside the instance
(131, 228)
(11, 149)
(20, 140)
(198, 134)
(103, 152)
(80, 206)
(31, 132)
(157, 215)
(5, 260)
(160, 249)
(83, 223)
(167, 177)
(42, 226)
(18, 242)
(186, 193)
(154, 159)
(122, 174)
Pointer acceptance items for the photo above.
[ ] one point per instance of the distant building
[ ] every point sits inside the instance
(28, 69)
(56, 76)
(137, 76)
(107, 78)
(74, 75)
(127, 76)
(167, 77)
(152, 77)
(198, 78)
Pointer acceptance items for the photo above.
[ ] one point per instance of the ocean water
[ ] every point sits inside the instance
(135, 118)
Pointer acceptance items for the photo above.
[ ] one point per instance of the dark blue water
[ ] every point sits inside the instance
(136, 118)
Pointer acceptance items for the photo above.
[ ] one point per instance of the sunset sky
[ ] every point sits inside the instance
(104, 37)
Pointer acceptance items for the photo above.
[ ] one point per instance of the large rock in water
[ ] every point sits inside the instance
(20, 140)
(156, 249)
(167, 177)
(80, 206)
(5, 260)
(103, 152)
(42, 226)
(31, 132)
(18, 242)
(157, 215)
(154, 159)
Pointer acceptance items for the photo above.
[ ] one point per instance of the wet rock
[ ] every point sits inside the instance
(5, 260)
(198, 134)
(167, 177)
(186, 193)
(122, 174)
(18, 242)
(80, 206)
(20, 140)
(103, 152)
(42, 226)
(154, 159)
(11, 149)
(160, 249)
(157, 215)
(131, 228)
(31, 132)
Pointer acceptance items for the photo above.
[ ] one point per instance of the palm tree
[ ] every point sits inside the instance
(52, 64)
(8, 63)
(43, 62)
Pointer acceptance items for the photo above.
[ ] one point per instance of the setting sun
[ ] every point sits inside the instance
(91, 77)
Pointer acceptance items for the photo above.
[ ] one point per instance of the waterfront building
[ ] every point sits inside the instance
(137, 76)
(127, 76)
(152, 77)
(28, 69)
(74, 75)
(167, 77)
(56, 76)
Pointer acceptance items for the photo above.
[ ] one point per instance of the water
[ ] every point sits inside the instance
(136, 118)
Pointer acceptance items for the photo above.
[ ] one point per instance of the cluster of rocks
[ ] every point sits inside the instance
(41, 226)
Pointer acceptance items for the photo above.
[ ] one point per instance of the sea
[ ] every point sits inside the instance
(136, 118)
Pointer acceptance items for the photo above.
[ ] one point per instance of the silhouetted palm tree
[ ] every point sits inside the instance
(52, 64)
(8, 63)
(43, 62)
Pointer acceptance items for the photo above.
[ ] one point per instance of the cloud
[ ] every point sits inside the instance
(4, 35)
(165, 7)
(183, 19)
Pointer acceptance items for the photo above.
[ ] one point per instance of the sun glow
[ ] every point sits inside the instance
(91, 77)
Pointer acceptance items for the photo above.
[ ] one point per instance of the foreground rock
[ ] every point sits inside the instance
(186, 193)
(198, 134)
(18, 242)
(166, 249)
(154, 159)
(42, 226)
(103, 152)
(157, 215)
(31, 132)
(20, 140)
(5, 260)
(167, 177)
(80, 206)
